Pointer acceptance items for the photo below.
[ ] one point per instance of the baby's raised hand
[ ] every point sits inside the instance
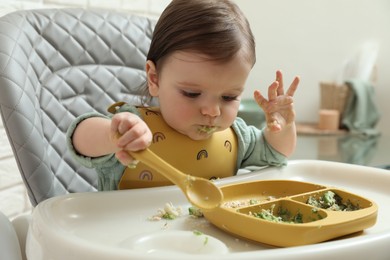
(130, 134)
(278, 109)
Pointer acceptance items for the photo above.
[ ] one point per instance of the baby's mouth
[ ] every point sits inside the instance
(205, 129)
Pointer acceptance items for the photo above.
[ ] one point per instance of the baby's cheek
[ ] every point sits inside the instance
(230, 115)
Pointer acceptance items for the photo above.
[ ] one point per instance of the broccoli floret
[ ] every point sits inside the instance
(332, 201)
(196, 212)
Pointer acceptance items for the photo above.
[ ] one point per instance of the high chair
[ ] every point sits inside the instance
(56, 64)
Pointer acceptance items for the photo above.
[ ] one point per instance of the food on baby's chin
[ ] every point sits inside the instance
(207, 129)
(282, 215)
(332, 201)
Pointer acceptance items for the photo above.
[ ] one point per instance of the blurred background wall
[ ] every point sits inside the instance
(312, 39)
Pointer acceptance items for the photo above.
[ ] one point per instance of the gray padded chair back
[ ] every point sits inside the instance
(54, 66)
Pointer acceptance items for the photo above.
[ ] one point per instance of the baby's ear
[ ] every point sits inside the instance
(152, 78)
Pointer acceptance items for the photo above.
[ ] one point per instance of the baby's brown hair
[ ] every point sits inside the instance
(215, 28)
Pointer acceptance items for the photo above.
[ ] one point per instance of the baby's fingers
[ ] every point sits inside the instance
(125, 158)
(140, 143)
(120, 123)
(136, 139)
(279, 79)
(273, 91)
(293, 87)
(259, 98)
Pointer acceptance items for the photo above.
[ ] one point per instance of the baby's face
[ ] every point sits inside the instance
(198, 97)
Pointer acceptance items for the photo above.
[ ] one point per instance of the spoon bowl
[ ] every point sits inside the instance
(201, 192)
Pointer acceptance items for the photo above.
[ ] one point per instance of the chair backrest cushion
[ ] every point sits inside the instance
(56, 64)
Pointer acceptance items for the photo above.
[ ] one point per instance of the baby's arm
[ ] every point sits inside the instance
(97, 136)
(280, 132)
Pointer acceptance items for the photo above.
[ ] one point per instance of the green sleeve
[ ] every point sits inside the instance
(109, 169)
(83, 160)
(253, 149)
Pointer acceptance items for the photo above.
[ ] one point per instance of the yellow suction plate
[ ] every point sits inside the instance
(288, 199)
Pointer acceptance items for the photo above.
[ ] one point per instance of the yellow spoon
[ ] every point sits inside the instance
(201, 192)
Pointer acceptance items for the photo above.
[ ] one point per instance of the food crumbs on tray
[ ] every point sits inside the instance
(197, 232)
(195, 212)
(200, 233)
(206, 240)
(169, 212)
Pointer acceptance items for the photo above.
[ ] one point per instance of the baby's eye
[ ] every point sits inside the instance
(190, 94)
(229, 98)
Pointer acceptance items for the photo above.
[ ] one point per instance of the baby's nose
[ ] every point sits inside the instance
(211, 109)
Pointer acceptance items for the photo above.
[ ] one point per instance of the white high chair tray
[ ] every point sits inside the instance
(116, 225)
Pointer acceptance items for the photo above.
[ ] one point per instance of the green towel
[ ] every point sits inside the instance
(357, 149)
(361, 114)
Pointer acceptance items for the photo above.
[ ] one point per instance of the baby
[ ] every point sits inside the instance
(201, 54)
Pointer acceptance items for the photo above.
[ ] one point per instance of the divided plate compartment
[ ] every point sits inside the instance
(276, 212)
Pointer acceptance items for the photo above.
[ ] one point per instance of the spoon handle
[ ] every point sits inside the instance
(152, 160)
